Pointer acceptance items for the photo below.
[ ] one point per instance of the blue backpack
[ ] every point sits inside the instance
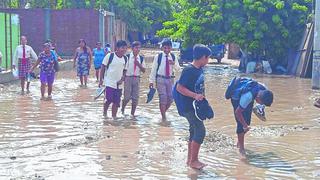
(239, 86)
(177, 99)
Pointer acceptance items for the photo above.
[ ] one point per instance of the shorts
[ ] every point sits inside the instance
(246, 114)
(113, 95)
(47, 78)
(131, 89)
(97, 63)
(197, 130)
(164, 88)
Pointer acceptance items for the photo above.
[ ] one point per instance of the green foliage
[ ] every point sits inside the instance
(141, 14)
(269, 27)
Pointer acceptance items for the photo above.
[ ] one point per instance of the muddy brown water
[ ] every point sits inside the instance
(67, 138)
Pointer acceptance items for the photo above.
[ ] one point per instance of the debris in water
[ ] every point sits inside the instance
(89, 138)
(13, 158)
(38, 177)
(275, 131)
(108, 157)
(216, 141)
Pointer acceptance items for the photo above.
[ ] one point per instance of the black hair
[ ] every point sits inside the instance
(85, 45)
(121, 43)
(200, 50)
(135, 44)
(166, 42)
(266, 97)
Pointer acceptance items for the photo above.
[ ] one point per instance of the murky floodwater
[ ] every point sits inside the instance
(67, 138)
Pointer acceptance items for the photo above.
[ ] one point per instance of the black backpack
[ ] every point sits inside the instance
(160, 57)
(111, 58)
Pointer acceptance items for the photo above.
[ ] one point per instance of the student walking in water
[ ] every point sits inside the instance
(189, 89)
(162, 76)
(135, 67)
(112, 75)
(22, 60)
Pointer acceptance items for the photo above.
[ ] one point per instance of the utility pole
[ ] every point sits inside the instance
(316, 47)
(102, 30)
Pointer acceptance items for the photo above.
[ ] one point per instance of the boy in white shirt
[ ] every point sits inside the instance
(162, 74)
(134, 67)
(112, 74)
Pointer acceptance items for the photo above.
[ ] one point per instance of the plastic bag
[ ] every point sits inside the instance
(15, 73)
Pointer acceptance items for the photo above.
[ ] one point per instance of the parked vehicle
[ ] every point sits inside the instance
(186, 55)
(218, 52)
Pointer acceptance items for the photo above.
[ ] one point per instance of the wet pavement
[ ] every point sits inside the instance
(68, 138)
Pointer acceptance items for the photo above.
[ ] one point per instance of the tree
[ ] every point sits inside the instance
(141, 14)
(263, 27)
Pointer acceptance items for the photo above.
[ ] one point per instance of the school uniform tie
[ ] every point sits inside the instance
(24, 60)
(167, 67)
(135, 67)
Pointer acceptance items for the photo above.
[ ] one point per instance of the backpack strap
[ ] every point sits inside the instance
(159, 61)
(55, 58)
(160, 57)
(141, 58)
(110, 60)
(125, 59)
(173, 57)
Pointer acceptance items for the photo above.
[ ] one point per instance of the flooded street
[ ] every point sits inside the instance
(67, 138)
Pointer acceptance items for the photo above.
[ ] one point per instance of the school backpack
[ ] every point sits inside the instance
(242, 85)
(141, 58)
(111, 58)
(160, 58)
(177, 97)
(56, 65)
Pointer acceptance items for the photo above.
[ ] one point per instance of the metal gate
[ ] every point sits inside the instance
(9, 37)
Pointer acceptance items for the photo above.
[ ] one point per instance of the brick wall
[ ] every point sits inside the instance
(66, 28)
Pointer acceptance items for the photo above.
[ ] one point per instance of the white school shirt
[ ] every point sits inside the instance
(162, 67)
(0, 55)
(115, 71)
(130, 66)
(18, 54)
